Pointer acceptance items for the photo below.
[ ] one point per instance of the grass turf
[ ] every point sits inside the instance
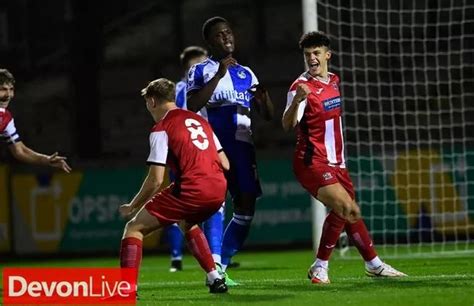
(279, 278)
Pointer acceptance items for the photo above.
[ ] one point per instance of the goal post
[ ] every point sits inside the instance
(318, 210)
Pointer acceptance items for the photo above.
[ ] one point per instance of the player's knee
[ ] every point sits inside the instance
(133, 226)
(347, 209)
(354, 214)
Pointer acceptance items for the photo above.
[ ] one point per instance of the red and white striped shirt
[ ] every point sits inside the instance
(319, 129)
(8, 133)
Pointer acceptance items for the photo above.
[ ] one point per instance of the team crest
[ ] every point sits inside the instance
(241, 74)
(327, 176)
(334, 85)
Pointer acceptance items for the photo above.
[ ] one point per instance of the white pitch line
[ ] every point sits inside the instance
(292, 280)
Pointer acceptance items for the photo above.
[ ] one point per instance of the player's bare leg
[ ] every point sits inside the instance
(343, 209)
(131, 246)
(199, 247)
(342, 204)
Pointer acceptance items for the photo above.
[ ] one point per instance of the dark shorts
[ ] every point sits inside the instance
(318, 175)
(243, 175)
(169, 209)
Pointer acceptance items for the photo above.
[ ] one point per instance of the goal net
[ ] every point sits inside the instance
(407, 82)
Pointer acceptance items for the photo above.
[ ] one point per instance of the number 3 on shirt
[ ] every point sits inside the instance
(196, 130)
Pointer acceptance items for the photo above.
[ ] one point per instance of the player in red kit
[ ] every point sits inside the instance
(314, 108)
(185, 142)
(10, 136)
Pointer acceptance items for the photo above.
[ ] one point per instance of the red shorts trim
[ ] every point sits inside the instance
(318, 175)
(168, 209)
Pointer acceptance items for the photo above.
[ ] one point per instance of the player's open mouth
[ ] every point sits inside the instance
(314, 65)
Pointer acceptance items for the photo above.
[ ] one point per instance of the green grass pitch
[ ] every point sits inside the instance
(279, 278)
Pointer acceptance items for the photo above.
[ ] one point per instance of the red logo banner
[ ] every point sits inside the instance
(33, 286)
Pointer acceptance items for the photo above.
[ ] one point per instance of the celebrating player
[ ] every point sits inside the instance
(10, 136)
(186, 143)
(224, 91)
(314, 107)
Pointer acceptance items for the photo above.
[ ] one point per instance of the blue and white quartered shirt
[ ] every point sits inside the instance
(228, 109)
(181, 94)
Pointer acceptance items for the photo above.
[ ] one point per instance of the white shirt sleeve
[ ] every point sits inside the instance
(217, 142)
(301, 106)
(9, 134)
(158, 148)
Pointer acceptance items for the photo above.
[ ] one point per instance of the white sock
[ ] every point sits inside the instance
(217, 258)
(374, 263)
(321, 263)
(177, 258)
(223, 267)
(213, 275)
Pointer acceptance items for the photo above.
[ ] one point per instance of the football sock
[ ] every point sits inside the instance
(374, 263)
(131, 254)
(175, 240)
(234, 237)
(332, 228)
(214, 230)
(361, 238)
(320, 263)
(199, 247)
(211, 276)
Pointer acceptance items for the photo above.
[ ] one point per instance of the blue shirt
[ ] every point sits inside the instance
(228, 109)
(181, 94)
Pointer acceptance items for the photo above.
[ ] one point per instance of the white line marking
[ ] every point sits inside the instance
(299, 280)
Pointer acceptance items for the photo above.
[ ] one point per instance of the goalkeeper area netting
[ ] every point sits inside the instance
(407, 82)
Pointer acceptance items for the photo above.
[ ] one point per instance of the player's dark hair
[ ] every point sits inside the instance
(191, 52)
(208, 24)
(6, 77)
(314, 39)
(162, 89)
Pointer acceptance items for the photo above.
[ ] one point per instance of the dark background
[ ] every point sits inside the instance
(406, 69)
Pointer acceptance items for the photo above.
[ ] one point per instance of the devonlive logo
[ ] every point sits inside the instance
(54, 286)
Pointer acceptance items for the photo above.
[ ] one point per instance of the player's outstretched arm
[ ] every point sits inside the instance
(149, 188)
(290, 116)
(263, 102)
(21, 152)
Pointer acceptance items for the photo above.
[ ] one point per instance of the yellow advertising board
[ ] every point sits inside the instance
(72, 213)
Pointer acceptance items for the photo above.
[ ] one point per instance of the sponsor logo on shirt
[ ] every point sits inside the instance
(332, 103)
(232, 96)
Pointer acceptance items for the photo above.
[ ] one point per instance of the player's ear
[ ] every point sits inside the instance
(154, 102)
(328, 54)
